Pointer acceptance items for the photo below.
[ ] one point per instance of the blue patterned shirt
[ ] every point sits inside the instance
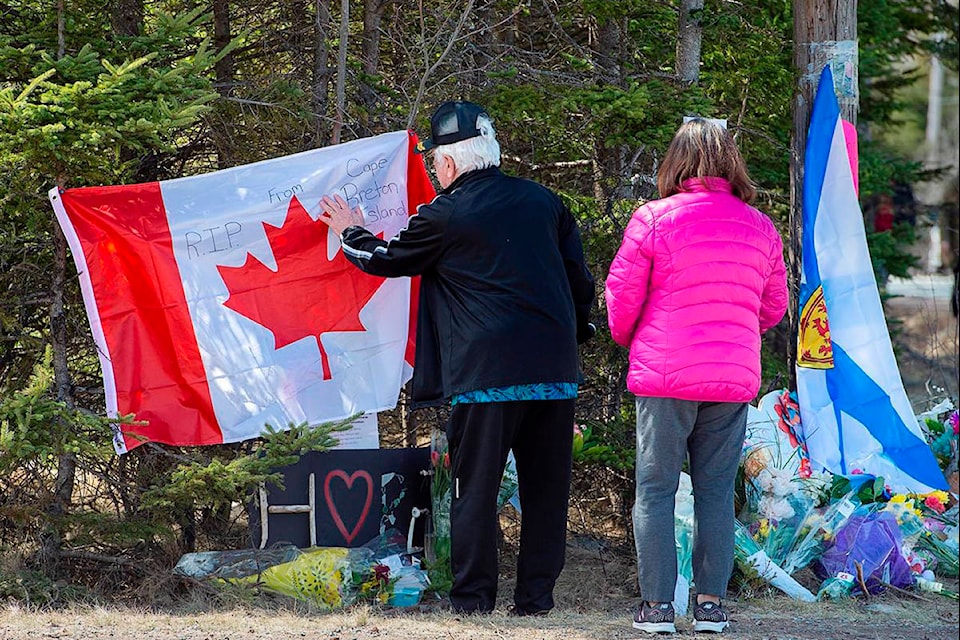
(538, 391)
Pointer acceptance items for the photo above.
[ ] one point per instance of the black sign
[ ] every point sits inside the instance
(343, 498)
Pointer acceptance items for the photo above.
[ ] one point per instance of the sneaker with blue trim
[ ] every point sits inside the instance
(709, 617)
(655, 619)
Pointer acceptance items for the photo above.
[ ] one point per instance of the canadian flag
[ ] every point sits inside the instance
(220, 304)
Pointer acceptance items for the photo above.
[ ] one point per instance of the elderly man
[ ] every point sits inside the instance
(504, 301)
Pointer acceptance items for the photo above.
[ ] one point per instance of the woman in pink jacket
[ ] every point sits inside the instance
(698, 277)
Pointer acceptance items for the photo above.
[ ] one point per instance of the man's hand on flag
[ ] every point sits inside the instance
(338, 215)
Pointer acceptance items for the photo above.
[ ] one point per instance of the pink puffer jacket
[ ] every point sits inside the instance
(699, 276)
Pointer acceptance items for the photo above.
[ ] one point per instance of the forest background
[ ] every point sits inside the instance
(585, 94)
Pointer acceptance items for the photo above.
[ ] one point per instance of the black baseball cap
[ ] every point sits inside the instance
(452, 122)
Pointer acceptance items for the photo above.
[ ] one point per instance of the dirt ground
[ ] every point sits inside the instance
(596, 594)
(595, 601)
(924, 334)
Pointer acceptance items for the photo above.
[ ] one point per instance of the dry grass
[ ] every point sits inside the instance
(596, 595)
(608, 618)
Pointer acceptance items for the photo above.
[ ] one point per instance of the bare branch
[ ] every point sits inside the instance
(454, 37)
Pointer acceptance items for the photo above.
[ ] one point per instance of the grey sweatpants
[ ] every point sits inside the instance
(711, 433)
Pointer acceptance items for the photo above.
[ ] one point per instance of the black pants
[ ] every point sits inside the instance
(540, 432)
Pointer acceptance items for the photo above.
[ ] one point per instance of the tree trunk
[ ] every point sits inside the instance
(52, 536)
(126, 17)
(824, 32)
(608, 51)
(221, 38)
(220, 120)
(370, 58)
(608, 162)
(126, 21)
(341, 97)
(321, 72)
(689, 41)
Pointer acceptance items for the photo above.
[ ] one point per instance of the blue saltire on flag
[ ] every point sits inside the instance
(855, 414)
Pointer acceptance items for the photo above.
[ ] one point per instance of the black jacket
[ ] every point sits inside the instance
(504, 292)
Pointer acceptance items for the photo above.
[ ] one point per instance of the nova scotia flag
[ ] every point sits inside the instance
(855, 414)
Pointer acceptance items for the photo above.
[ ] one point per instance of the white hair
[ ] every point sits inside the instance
(479, 152)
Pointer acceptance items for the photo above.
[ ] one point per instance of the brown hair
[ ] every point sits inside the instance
(701, 149)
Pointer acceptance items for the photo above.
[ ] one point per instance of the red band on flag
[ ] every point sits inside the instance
(132, 245)
(419, 190)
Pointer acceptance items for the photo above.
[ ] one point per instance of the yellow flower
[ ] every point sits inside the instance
(764, 527)
(901, 508)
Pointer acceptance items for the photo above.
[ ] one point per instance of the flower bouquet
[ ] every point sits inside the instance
(327, 577)
(782, 492)
(869, 544)
(929, 541)
(437, 544)
(942, 430)
(236, 563)
(322, 576)
(817, 527)
(929, 530)
(683, 533)
(753, 560)
(375, 583)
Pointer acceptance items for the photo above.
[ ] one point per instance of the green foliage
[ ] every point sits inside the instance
(882, 168)
(35, 429)
(82, 109)
(943, 440)
(748, 73)
(222, 477)
(86, 117)
(889, 251)
(892, 34)
(773, 366)
(869, 491)
(32, 588)
(607, 444)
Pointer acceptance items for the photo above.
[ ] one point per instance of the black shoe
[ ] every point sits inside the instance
(514, 610)
(658, 619)
(709, 617)
(472, 609)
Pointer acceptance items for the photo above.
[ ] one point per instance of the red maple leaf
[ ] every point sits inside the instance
(308, 295)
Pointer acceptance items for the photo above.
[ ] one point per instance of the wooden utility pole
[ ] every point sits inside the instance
(824, 33)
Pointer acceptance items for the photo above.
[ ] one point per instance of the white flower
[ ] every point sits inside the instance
(775, 508)
(776, 482)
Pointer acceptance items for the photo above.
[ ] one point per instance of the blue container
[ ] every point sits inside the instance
(405, 597)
